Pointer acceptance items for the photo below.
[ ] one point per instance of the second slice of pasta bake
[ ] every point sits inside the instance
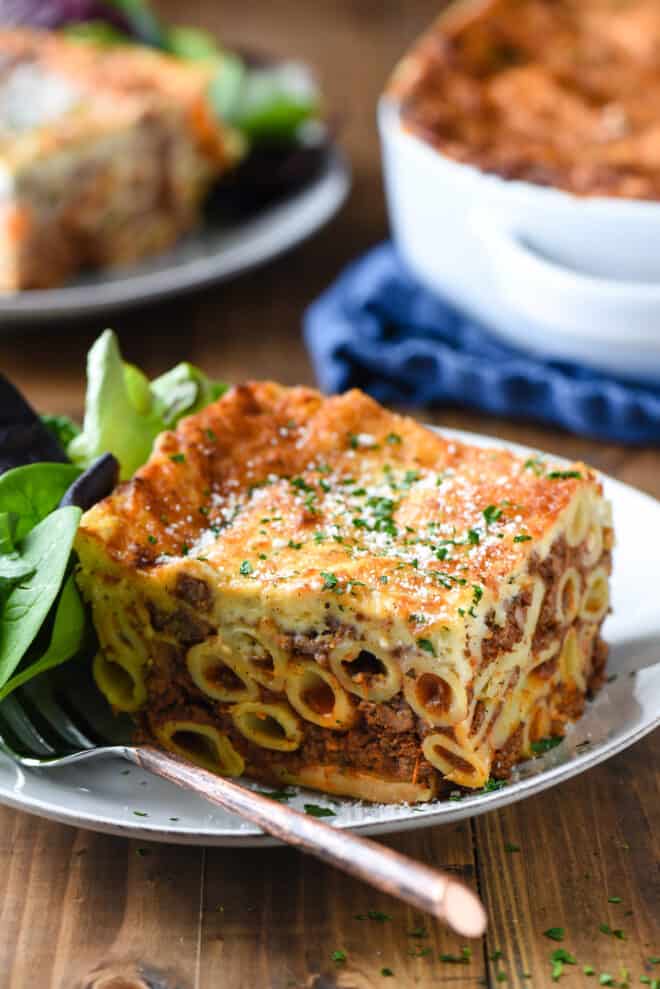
(316, 591)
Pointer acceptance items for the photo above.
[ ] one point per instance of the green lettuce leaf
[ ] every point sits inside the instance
(125, 412)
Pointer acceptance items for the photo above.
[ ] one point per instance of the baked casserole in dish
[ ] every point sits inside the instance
(521, 148)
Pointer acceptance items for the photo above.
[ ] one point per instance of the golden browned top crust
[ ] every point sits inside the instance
(555, 92)
(279, 485)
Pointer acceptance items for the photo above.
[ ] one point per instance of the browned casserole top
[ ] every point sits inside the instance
(555, 92)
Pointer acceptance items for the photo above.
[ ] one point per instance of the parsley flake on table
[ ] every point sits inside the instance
(386, 972)
(338, 957)
(373, 915)
(463, 959)
(614, 899)
(509, 847)
(555, 933)
(418, 932)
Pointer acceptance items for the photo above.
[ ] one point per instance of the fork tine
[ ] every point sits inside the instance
(43, 699)
(22, 731)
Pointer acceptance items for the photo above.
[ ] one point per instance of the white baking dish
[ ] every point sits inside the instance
(569, 277)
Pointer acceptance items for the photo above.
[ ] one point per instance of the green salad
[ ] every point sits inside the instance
(51, 470)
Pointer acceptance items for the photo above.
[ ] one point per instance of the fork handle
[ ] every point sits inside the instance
(435, 892)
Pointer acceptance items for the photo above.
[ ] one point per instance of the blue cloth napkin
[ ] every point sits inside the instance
(377, 329)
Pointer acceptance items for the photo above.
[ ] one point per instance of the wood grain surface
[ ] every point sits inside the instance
(81, 910)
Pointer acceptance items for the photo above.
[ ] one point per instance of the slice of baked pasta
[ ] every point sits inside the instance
(314, 590)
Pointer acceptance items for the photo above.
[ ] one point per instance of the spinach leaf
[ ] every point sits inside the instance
(8, 523)
(46, 550)
(33, 491)
(12, 568)
(65, 641)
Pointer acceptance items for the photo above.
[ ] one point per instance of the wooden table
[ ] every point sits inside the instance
(80, 908)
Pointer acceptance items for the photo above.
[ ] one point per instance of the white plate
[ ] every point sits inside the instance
(213, 253)
(106, 796)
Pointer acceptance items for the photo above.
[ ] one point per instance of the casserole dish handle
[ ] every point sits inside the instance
(567, 302)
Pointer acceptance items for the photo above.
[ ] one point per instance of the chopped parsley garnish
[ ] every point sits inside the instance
(473, 537)
(293, 545)
(535, 464)
(477, 593)
(417, 619)
(245, 568)
(301, 484)
(338, 956)
(427, 646)
(491, 784)
(152, 540)
(605, 979)
(617, 933)
(492, 514)
(545, 744)
(185, 549)
(329, 580)
(509, 847)
(386, 971)
(392, 438)
(410, 477)
(177, 458)
(563, 475)
(313, 810)
(325, 485)
(262, 556)
(383, 578)
(210, 435)
(203, 510)
(280, 795)
(522, 538)
(373, 915)
(319, 537)
(588, 970)
(463, 959)
(555, 933)
(614, 899)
